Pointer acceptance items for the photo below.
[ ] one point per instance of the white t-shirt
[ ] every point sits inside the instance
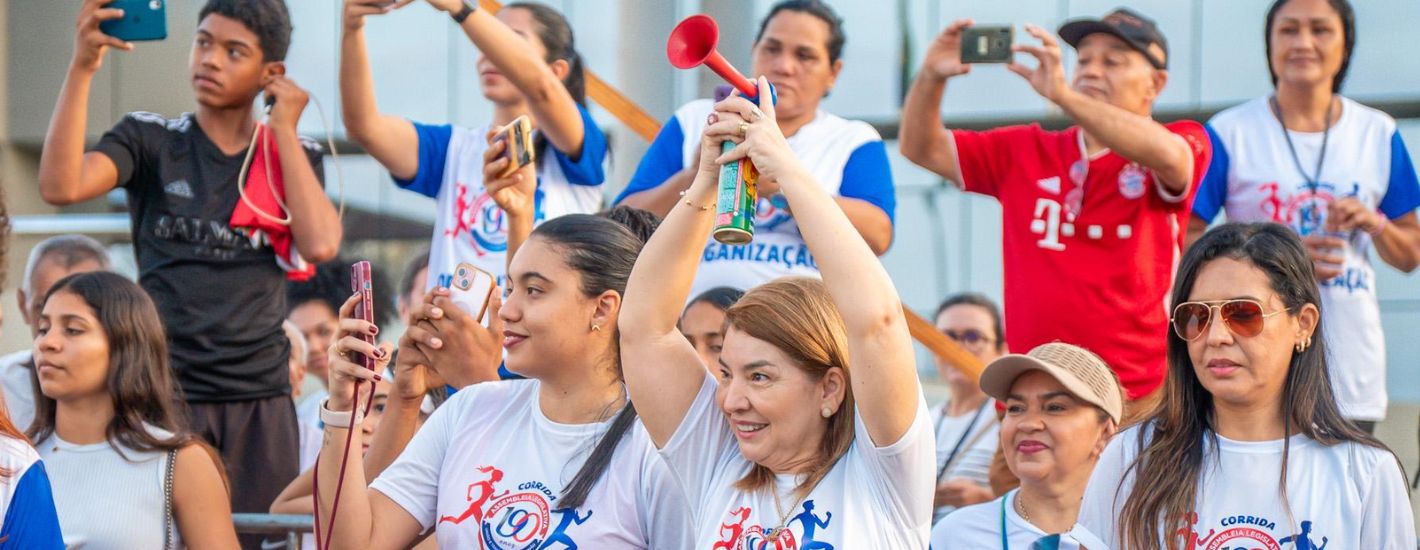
(15, 372)
(1254, 178)
(470, 227)
(874, 497)
(1344, 496)
(847, 157)
(979, 435)
(979, 526)
(487, 468)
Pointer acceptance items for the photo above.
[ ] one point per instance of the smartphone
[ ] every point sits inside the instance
(519, 153)
(987, 44)
(360, 283)
(142, 20)
(471, 289)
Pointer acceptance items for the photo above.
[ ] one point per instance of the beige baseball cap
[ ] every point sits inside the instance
(1082, 372)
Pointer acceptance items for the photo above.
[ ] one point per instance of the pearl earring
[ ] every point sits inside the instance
(827, 412)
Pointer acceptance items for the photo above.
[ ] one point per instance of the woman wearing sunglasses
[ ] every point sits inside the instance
(1248, 448)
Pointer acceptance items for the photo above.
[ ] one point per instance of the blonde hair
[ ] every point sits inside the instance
(797, 316)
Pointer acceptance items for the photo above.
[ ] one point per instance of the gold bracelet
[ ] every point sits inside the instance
(693, 205)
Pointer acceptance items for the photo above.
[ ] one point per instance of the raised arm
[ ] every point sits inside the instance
(66, 174)
(315, 225)
(355, 527)
(884, 379)
(1133, 136)
(924, 140)
(663, 373)
(390, 139)
(551, 104)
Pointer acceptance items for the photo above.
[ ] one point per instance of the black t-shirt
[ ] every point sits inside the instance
(222, 298)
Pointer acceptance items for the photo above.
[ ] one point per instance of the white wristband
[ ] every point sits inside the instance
(334, 419)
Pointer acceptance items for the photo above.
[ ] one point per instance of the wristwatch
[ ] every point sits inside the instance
(469, 6)
(335, 419)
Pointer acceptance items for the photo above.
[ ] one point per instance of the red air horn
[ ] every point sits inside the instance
(692, 43)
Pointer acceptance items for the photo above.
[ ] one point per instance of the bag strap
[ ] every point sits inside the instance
(168, 501)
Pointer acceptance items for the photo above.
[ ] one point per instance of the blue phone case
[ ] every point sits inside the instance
(142, 20)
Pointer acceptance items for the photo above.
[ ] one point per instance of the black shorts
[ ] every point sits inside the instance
(259, 441)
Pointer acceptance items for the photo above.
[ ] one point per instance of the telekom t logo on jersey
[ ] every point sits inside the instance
(1053, 221)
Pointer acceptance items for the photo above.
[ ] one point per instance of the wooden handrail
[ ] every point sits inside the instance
(635, 118)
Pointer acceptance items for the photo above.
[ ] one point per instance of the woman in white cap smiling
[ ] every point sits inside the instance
(1063, 403)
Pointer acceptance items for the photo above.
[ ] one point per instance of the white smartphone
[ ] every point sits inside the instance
(471, 289)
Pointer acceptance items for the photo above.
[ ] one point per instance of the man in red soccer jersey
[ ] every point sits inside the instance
(1093, 216)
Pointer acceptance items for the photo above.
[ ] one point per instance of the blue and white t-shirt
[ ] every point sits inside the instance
(26, 501)
(847, 158)
(470, 227)
(1254, 178)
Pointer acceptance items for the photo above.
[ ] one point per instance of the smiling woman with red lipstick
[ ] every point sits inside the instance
(1248, 448)
(1063, 404)
(558, 457)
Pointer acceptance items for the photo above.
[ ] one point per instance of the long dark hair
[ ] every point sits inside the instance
(1169, 464)
(1348, 33)
(139, 379)
(603, 252)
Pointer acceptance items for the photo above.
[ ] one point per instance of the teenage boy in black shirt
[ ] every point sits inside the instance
(221, 297)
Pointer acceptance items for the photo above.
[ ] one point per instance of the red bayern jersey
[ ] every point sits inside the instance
(1090, 244)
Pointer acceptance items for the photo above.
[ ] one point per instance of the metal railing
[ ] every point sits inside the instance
(292, 526)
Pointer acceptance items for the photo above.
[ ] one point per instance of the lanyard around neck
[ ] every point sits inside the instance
(960, 440)
(1313, 181)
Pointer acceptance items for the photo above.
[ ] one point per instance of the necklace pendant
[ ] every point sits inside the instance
(774, 533)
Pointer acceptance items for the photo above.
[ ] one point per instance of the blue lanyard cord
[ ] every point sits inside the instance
(1048, 542)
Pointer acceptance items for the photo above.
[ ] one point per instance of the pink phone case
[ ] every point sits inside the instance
(360, 282)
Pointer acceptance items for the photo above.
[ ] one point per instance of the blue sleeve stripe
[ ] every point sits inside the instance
(433, 157)
(867, 177)
(662, 160)
(587, 169)
(31, 521)
(1402, 195)
(1213, 189)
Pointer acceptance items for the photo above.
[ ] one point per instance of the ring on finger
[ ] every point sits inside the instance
(743, 128)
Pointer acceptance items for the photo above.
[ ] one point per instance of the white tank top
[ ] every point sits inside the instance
(104, 501)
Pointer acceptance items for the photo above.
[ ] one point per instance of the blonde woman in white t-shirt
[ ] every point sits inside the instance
(1248, 448)
(556, 459)
(795, 444)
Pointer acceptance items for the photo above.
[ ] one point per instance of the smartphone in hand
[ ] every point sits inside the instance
(471, 290)
(360, 283)
(987, 44)
(142, 20)
(518, 135)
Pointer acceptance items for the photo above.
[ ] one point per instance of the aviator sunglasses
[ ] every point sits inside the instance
(1243, 317)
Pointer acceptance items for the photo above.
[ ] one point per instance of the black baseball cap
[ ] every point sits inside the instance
(1136, 30)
